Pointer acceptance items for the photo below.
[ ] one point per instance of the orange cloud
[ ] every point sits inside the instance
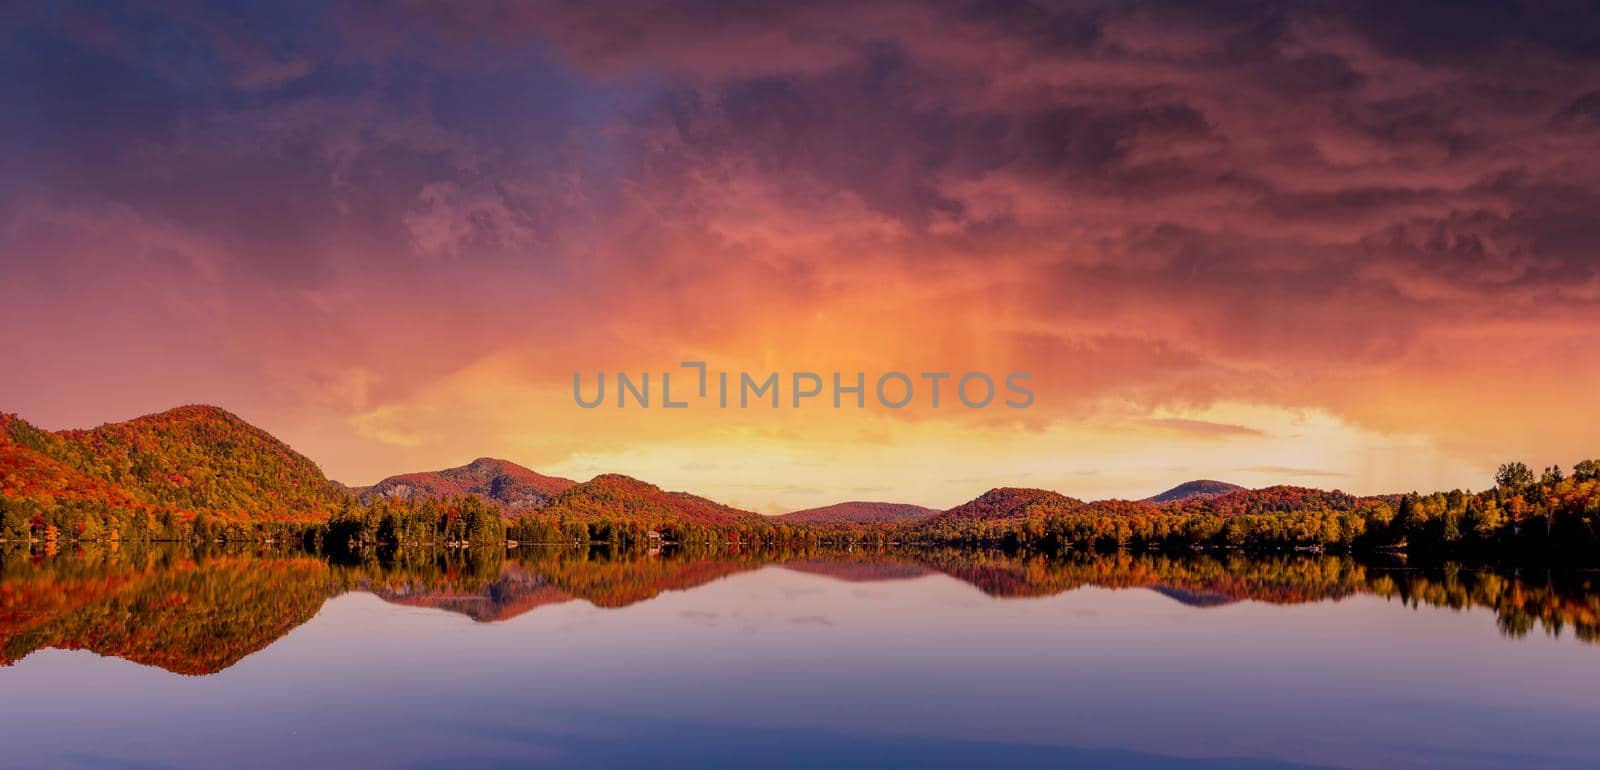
(1318, 246)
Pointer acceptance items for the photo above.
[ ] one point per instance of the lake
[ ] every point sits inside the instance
(564, 657)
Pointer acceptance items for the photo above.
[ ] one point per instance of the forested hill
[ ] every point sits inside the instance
(614, 496)
(858, 513)
(1012, 502)
(1200, 488)
(499, 482)
(138, 478)
(201, 473)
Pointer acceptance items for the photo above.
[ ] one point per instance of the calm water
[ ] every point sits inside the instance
(562, 658)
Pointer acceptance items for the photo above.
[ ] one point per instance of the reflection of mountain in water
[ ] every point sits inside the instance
(183, 615)
(511, 594)
(858, 570)
(201, 613)
(1193, 598)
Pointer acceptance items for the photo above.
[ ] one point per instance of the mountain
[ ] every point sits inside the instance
(1200, 488)
(858, 513)
(1278, 499)
(1013, 502)
(612, 496)
(33, 479)
(126, 477)
(501, 482)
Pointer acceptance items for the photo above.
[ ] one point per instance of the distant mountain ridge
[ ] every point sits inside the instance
(500, 482)
(200, 472)
(858, 512)
(1199, 488)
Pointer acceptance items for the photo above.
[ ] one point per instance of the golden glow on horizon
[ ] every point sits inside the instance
(1334, 262)
(779, 460)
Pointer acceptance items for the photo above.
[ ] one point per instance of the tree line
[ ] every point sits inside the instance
(1548, 514)
(1551, 513)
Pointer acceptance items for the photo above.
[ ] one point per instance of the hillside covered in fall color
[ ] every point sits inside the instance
(163, 475)
(199, 473)
(859, 513)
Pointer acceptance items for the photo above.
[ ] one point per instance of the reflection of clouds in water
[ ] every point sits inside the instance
(812, 620)
(701, 617)
(998, 661)
(871, 593)
(752, 623)
(795, 593)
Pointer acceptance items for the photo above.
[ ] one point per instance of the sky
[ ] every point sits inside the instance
(1340, 245)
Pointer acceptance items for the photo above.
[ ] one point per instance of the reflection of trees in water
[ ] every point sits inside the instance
(1522, 599)
(200, 611)
(194, 613)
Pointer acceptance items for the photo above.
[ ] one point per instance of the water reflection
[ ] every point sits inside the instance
(200, 612)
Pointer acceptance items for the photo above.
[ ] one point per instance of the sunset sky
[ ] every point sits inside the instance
(1341, 245)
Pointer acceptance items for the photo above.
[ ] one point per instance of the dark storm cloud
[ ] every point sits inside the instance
(1281, 201)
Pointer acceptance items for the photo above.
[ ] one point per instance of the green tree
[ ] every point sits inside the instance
(1513, 476)
(1588, 470)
